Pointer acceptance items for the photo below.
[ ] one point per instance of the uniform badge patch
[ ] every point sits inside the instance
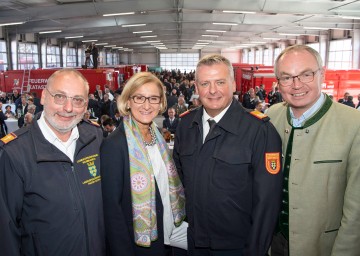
(10, 137)
(272, 162)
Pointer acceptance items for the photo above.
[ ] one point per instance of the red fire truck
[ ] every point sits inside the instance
(35, 80)
(336, 82)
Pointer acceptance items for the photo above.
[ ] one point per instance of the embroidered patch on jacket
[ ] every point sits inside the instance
(90, 162)
(8, 138)
(272, 162)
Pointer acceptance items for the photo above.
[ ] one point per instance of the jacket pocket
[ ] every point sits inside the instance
(327, 161)
(232, 169)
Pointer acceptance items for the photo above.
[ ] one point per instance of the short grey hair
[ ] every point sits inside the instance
(298, 48)
(213, 59)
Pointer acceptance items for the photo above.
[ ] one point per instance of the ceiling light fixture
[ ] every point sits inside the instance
(148, 36)
(216, 31)
(12, 23)
(50, 31)
(200, 40)
(240, 12)
(271, 38)
(69, 37)
(297, 34)
(316, 28)
(133, 25)
(92, 40)
(102, 43)
(118, 14)
(140, 32)
(112, 45)
(225, 23)
(210, 35)
(289, 34)
(153, 41)
(351, 17)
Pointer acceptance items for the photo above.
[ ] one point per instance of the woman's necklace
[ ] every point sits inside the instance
(153, 138)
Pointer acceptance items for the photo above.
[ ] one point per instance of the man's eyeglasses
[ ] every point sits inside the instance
(60, 99)
(305, 77)
(139, 99)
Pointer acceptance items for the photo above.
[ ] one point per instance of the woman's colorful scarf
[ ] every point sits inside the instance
(143, 184)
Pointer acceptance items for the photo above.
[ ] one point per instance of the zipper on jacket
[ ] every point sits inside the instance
(82, 203)
(72, 188)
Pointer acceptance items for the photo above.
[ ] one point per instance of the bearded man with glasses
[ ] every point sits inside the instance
(321, 204)
(50, 198)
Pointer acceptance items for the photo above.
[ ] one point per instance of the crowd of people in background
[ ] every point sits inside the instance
(246, 176)
(180, 92)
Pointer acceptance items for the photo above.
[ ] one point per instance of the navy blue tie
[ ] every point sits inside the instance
(212, 123)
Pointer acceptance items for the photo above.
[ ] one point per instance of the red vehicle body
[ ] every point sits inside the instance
(336, 82)
(35, 80)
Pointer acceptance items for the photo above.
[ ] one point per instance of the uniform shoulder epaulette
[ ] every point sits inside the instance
(8, 138)
(188, 112)
(259, 115)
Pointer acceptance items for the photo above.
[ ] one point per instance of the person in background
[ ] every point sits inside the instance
(249, 99)
(180, 107)
(3, 97)
(37, 103)
(358, 105)
(96, 92)
(349, 102)
(170, 124)
(95, 54)
(259, 106)
(171, 100)
(50, 190)
(109, 126)
(117, 118)
(3, 117)
(94, 106)
(229, 159)
(31, 109)
(87, 115)
(321, 204)
(263, 91)
(87, 56)
(274, 96)
(28, 118)
(344, 100)
(15, 96)
(144, 202)
(21, 108)
(8, 113)
(259, 93)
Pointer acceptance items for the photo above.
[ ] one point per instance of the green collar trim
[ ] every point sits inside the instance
(318, 115)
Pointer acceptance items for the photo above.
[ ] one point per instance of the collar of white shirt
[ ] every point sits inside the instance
(67, 147)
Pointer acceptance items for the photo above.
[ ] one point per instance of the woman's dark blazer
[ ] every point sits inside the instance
(115, 176)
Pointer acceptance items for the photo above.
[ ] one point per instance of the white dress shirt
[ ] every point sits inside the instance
(68, 147)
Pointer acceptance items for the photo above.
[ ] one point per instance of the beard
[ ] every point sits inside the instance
(62, 127)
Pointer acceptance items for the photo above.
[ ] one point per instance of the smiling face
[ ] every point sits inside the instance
(63, 118)
(300, 96)
(215, 87)
(144, 113)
